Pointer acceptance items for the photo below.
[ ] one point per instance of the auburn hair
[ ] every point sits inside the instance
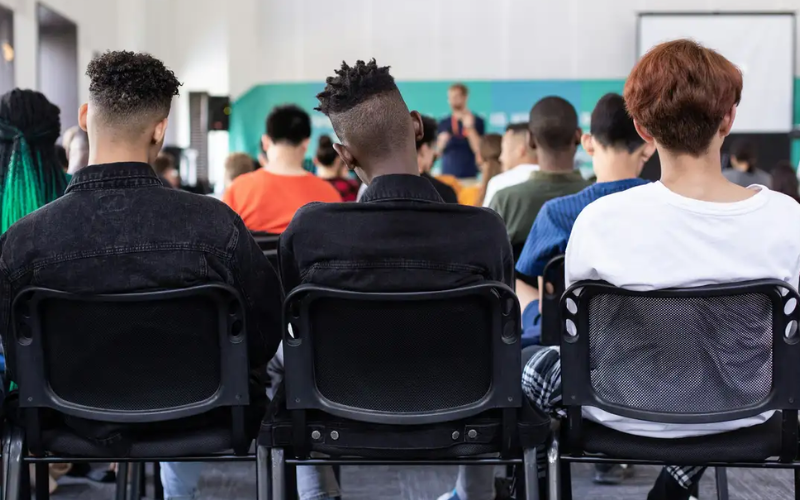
(680, 92)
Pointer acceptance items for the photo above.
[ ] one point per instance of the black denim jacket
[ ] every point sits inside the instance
(401, 237)
(118, 229)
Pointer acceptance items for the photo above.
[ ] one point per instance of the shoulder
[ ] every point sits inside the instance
(610, 211)
(787, 206)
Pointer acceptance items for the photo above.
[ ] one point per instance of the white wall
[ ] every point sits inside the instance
(304, 40)
(58, 72)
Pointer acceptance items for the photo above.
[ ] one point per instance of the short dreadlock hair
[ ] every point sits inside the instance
(366, 109)
(131, 89)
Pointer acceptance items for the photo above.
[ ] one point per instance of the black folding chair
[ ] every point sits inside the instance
(679, 356)
(266, 241)
(136, 377)
(553, 278)
(401, 378)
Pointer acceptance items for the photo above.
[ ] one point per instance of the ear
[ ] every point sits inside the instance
(83, 111)
(578, 137)
(419, 130)
(531, 140)
(588, 144)
(727, 122)
(305, 144)
(160, 131)
(643, 133)
(346, 156)
(265, 143)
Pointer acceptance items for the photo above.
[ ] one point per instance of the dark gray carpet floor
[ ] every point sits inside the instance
(237, 481)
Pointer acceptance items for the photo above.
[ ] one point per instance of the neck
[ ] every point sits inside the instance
(557, 161)
(101, 153)
(324, 172)
(694, 177)
(615, 167)
(378, 168)
(285, 160)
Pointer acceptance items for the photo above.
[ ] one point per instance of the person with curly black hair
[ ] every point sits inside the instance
(118, 230)
(401, 236)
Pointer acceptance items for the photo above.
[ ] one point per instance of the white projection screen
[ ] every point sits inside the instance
(761, 45)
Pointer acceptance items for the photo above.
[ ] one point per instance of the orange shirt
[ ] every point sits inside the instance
(267, 202)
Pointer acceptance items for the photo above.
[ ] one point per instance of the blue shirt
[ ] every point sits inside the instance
(550, 232)
(457, 158)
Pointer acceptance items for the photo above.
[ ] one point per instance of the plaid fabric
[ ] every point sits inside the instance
(541, 383)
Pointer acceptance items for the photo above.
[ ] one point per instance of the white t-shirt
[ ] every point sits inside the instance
(516, 175)
(649, 238)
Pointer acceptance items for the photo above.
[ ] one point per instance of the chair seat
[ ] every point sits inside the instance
(193, 443)
(755, 443)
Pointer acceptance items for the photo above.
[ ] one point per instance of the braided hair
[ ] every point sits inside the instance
(30, 173)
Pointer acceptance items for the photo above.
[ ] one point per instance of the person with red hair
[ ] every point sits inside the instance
(692, 228)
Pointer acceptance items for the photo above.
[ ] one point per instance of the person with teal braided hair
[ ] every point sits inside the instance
(30, 173)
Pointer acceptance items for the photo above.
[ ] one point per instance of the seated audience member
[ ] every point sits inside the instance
(618, 156)
(426, 156)
(744, 169)
(518, 161)
(701, 217)
(164, 166)
(268, 198)
(237, 164)
(31, 173)
(78, 151)
(140, 235)
(331, 168)
(553, 132)
(784, 180)
(489, 164)
(401, 218)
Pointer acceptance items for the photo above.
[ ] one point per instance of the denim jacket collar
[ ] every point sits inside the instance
(401, 187)
(114, 176)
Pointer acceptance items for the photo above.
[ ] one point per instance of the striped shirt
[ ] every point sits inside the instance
(550, 232)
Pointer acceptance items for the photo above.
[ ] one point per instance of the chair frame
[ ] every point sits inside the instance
(302, 393)
(266, 241)
(553, 274)
(36, 393)
(578, 392)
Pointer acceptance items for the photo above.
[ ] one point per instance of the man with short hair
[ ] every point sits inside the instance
(460, 135)
(426, 156)
(268, 198)
(400, 237)
(517, 159)
(118, 229)
(554, 134)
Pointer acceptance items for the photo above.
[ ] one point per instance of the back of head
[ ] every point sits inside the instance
(129, 94)
(553, 125)
(680, 92)
(490, 150)
(288, 125)
(784, 180)
(745, 152)
(612, 126)
(237, 164)
(369, 114)
(326, 155)
(30, 173)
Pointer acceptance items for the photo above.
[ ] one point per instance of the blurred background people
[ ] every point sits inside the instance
(165, 168)
(517, 160)
(237, 164)
(744, 169)
(459, 135)
(784, 180)
(426, 156)
(331, 168)
(489, 163)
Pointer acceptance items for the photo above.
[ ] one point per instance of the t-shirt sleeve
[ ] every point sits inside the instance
(546, 240)
(578, 257)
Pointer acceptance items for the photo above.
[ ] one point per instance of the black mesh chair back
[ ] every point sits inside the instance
(266, 241)
(553, 279)
(131, 358)
(403, 357)
(697, 355)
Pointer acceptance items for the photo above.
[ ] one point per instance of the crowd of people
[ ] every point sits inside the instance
(106, 216)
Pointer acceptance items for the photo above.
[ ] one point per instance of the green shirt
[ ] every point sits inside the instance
(519, 205)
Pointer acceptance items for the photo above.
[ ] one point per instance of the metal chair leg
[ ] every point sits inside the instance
(158, 486)
(553, 470)
(42, 474)
(566, 480)
(337, 472)
(796, 483)
(122, 481)
(722, 483)
(262, 473)
(25, 478)
(142, 481)
(12, 457)
(531, 475)
(278, 484)
(136, 480)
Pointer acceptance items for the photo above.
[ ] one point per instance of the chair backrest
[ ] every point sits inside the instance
(133, 357)
(266, 241)
(693, 355)
(553, 278)
(403, 358)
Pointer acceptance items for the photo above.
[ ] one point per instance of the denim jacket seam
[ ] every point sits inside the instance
(118, 182)
(395, 264)
(193, 247)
